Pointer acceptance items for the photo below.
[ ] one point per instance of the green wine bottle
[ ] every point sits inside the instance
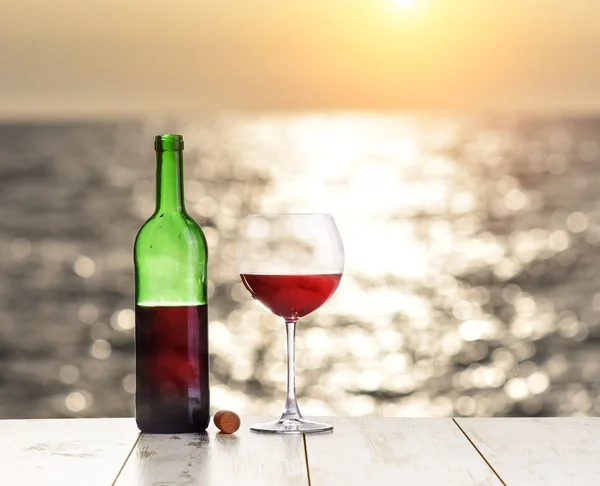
(171, 323)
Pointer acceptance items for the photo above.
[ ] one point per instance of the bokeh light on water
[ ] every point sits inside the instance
(471, 286)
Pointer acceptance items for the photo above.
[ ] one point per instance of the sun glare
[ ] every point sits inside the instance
(404, 3)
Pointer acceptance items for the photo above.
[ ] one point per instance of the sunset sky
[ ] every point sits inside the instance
(109, 57)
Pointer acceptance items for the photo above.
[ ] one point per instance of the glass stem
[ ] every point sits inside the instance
(291, 411)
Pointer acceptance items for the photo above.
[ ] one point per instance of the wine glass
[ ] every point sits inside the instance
(292, 264)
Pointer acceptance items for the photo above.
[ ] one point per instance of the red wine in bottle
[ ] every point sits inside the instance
(172, 345)
(171, 325)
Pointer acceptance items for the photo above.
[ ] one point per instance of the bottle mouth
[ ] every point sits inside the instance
(168, 143)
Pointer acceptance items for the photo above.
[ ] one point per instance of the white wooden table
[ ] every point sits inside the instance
(360, 451)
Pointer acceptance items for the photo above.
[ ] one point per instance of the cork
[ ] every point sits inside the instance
(227, 421)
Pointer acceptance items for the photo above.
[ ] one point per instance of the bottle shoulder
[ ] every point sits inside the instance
(176, 227)
(194, 227)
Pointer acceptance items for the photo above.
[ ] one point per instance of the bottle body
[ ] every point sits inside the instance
(171, 323)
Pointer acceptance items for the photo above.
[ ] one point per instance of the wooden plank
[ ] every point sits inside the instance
(64, 451)
(548, 451)
(394, 451)
(242, 459)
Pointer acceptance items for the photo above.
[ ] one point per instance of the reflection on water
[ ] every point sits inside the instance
(471, 285)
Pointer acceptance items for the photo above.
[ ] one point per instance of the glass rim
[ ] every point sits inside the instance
(270, 215)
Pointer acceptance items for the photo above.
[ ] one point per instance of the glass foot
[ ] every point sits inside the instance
(291, 426)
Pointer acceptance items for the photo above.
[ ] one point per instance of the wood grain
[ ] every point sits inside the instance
(242, 459)
(548, 451)
(64, 451)
(395, 451)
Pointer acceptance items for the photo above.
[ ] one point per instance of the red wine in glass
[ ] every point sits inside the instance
(291, 296)
(172, 369)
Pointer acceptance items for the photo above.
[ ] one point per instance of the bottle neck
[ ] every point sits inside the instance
(169, 181)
